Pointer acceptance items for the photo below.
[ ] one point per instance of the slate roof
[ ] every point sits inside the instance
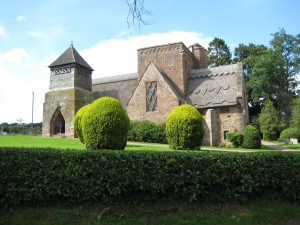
(120, 87)
(70, 56)
(213, 87)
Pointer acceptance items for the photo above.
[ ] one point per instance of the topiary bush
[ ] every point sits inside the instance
(252, 138)
(291, 132)
(106, 124)
(77, 122)
(184, 128)
(147, 131)
(236, 138)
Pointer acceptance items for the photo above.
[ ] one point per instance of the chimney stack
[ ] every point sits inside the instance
(200, 53)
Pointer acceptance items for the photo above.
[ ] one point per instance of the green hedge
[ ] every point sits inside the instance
(29, 175)
(236, 138)
(184, 128)
(291, 132)
(251, 138)
(147, 131)
(105, 125)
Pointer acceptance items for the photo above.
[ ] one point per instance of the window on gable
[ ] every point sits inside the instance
(151, 96)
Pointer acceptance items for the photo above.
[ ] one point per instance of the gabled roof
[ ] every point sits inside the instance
(120, 87)
(212, 87)
(70, 56)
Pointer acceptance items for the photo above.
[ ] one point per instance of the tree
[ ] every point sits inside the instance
(271, 72)
(137, 12)
(218, 53)
(269, 122)
(295, 118)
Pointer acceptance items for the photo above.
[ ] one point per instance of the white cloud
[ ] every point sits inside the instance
(21, 18)
(36, 34)
(119, 56)
(2, 31)
(20, 74)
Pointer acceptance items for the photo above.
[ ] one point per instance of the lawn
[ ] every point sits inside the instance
(165, 213)
(293, 146)
(67, 143)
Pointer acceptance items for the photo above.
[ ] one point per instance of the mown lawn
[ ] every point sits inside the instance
(67, 143)
(258, 212)
(293, 146)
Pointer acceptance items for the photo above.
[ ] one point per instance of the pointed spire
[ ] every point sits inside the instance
(70, 56)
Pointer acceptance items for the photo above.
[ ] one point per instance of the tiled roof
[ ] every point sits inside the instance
(212, 87)
(120, 87)
(70, 56)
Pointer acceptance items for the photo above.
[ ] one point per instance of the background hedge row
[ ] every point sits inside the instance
(29, 175)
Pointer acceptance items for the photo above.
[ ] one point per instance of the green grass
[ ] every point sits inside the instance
(66, 143)
(164, 213)
(293, 146)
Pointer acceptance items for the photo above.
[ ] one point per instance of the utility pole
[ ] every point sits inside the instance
(32, 110)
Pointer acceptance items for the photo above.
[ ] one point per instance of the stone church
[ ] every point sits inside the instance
(168, 76)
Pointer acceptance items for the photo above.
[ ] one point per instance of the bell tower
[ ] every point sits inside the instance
(70, 89)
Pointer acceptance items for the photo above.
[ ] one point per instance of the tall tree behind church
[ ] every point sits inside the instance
(218, 53)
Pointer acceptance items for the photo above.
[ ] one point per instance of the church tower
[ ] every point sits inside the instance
(70, 89)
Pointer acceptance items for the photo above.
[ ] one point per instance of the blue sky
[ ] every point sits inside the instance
(34, 33)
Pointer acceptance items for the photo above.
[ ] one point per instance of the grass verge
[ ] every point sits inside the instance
(176, 213)
(67, 143)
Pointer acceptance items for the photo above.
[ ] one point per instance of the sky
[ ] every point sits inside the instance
(34, 33)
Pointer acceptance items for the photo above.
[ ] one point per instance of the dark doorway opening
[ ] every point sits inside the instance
(58, 123)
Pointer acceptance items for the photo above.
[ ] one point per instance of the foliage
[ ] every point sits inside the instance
(252, 138)
(295, 118)
(271, 72)
(184, 128)
(269, 122)
(147, 131)
(218, 53)
(36, 175)
(289, 133)
(106, 125)
(77, 122)
(236, 138)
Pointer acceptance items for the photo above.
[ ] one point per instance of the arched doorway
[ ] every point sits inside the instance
(57, 123)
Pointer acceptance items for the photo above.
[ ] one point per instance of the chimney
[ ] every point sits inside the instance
(200, 59)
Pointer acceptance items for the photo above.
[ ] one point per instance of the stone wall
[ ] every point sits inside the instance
(218, 121)
(67, 102)
(166, 98)
(174, 59)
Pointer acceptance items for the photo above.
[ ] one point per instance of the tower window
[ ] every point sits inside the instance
(151, 96)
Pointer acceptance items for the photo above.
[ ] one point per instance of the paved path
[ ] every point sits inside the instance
(277, 147)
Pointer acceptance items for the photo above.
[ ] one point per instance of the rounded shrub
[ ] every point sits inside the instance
(147, 131)
(184, 128)
(106, 124)
(236, 138)
(251, 138)
(291, 132)
(77, 122)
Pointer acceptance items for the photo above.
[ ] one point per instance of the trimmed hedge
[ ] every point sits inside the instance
(105, 125)
(290, 133)
(184, 128)
(252, 138)
(77, 122)
(34, 175)
(236, 138)
(147, 131)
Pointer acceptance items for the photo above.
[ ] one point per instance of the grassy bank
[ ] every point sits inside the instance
(66, 143)
(165, 213)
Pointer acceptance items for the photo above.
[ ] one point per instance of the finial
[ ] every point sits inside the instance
(71, 43)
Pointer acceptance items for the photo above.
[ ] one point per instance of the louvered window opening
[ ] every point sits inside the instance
(151, 101)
